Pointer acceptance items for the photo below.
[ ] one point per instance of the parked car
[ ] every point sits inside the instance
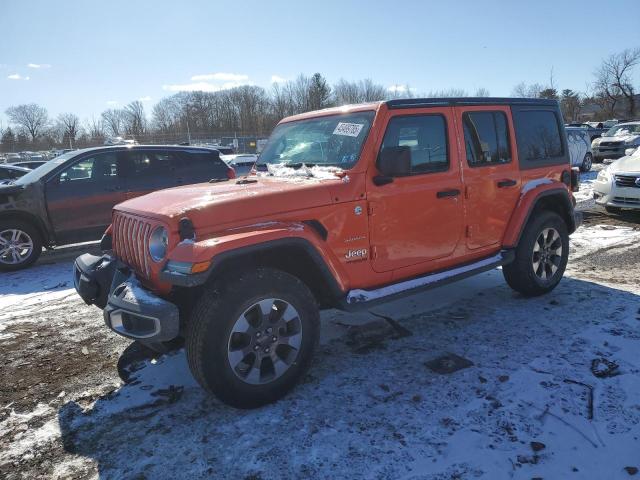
(13, 157)
(616, 141)
(594, 132)
(70, 198)
(398, 199)
(617, 186)
(31, 164)
(579, 148)
(11, 172)
(242, 163)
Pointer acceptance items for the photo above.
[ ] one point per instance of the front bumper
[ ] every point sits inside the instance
(612, 152)
(129, 309)
(609, 194)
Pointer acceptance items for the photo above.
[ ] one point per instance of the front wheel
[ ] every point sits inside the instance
(251, 339)
(20, 245)
(587, 162)
(541, 256)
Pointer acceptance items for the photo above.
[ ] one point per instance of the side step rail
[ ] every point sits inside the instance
(358, 298)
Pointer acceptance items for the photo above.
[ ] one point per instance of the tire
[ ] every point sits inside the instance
(521, 274)
(614, 210)
(587, 162)
(227, 322)
(14, 233)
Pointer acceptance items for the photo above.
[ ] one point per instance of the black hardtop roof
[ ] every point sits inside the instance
(461, 101)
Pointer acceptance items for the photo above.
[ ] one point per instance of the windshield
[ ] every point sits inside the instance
(334, 140)
(621, 130)
(42, 170)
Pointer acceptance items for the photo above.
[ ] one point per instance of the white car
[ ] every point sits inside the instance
(242, 163)
(618, 185)
(615, 142)
(579, 143)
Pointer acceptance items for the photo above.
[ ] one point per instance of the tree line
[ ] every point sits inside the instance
(253, 111)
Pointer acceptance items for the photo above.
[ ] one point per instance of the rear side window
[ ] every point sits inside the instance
(425, 135)
(208, 164)
(539, 138)
(486, 138)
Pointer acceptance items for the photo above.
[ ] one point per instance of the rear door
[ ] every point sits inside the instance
(491, 174)
(148, 171)
(80, 198)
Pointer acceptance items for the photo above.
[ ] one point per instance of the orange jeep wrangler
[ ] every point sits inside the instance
(347, 207)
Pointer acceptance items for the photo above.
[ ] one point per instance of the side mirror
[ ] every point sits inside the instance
(394, 161)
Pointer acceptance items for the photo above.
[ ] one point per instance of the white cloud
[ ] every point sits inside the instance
(227, 77)
(112, 103)
(17, 76)
(145, 99)
(38, 65)
(277, 79)
(398, 88)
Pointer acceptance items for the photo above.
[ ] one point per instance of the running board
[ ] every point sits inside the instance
(360, 298)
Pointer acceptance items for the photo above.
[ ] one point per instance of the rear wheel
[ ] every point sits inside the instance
(251, 339)
(586, 163)
(541, 256)
(20, 245)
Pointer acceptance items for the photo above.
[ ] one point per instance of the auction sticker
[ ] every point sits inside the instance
(348, 129)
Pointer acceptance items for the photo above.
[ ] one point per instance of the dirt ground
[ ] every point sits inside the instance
(77, 401)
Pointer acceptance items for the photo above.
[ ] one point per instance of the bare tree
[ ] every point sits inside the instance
(345, 93)
(114, 120)
(527, 91)
(135, 119)
(70, 126)
(32, 117)
(95, 128)
(614, 79)
(482, 92)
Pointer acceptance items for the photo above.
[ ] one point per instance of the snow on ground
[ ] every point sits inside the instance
(371, 406)
(584, 197)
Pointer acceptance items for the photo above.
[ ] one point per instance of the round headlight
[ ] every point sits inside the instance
(158, 244)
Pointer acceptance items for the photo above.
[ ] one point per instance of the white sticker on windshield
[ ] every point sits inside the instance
(348, 129)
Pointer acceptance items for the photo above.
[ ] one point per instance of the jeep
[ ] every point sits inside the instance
(346, 207)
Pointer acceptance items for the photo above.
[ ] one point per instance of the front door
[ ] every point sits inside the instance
(80, 198)
(491, 176)
(418, 218)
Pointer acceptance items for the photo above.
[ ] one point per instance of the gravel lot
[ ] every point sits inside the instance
(547, 387)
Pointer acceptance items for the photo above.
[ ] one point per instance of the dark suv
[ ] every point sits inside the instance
(69, 199)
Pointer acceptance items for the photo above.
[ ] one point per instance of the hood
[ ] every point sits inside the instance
(232, 201)
(630, 164)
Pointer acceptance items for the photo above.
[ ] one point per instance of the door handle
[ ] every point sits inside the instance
(506, 183)
(448, 193)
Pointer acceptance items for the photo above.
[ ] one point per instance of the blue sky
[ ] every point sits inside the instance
(86, 56)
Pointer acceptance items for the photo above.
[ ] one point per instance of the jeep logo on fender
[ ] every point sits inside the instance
(359, 254)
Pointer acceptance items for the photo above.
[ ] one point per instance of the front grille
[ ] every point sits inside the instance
(131, 241)
(627, 200)
(627, 181)
(611, 144)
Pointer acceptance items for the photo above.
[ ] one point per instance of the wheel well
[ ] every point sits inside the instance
(293, 259)
(559, 204)
(30, 219)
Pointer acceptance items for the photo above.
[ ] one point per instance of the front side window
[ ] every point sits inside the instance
(426, 137)
(623, 130)
(538, 135)
(486, 138)
(100, 168)
(334, 140)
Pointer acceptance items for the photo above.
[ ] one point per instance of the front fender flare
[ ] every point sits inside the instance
(236, 243)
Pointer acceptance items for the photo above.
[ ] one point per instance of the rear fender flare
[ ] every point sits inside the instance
(534, 199)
